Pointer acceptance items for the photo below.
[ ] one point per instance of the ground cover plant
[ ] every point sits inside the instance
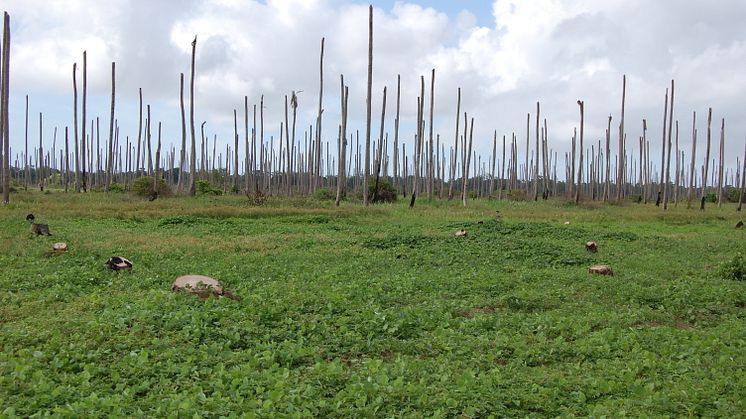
(370, 312)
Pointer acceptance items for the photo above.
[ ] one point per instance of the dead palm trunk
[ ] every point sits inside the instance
(67, 160)
(536, 163)
(40, 168)
(317, 182)
(464, 193)
(110, 167)
(84, 180)
(235, 153)
(430, 166)
(453, 163)
(26, 168)
(4, 103)
(663, 153)
(502, 175)
(418, 142)
(622, 150)
(707, 160)
(494, 159)
(578, 189)
(722, 162)
(380, 147)
(396, 131)
(368, 110)
(341, 175)
(75, 127)
(743, 181)
(668, 156)
(182, 153)
(193, 156)
(694, 154)
(157, 161)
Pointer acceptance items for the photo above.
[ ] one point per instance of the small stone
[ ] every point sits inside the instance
(59, 247)
(460, 233)
(567, 223)
(591, 246)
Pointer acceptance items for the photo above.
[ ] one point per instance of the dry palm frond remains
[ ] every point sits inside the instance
(591, 246)
(118, 263)
(601, 270)
(201, 286)
(460, 233)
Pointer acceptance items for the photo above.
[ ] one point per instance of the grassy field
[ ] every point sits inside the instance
(379, 312)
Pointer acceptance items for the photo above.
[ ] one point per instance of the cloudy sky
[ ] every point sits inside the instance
(505, 55)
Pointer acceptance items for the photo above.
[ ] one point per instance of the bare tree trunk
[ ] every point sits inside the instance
(317, 182)
(235, 153)
(380, 147)
(26, 167)
(453, 163)
(40, 167)
(193, 156)
(722, 163)
(67, 160)
(536, 163)
(668, 156)
(707, 160)
(663, 153)
(341, 175)
(572, 188)
(418, 141)
(677, 176)
(430, 166)
(502, 175)
(110, 167)
(4, 104)
(494, 159)
(368, 109)
(396, 132)
(157, 161)
(75, 127)
(182, 153)
(578, 190)
(694, 155)
(743, 181)
(622, 150)
(84, 179)
(464, 193)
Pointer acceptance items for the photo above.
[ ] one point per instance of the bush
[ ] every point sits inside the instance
(204, 188)
(386, 192)
(734, 194)
(325, 194)
(711, 197)
(517, 195)
(143, 186)
(735, 269)
(116, 187)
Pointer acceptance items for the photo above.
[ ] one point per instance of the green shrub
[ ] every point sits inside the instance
(734, 194)
(325, 194)
(517, 195)
(117, 187)
(143, 186)
(386, 192)
(735, 269)
(711, 197)
(204, 188)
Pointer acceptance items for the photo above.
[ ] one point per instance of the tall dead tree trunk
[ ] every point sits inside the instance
(75, 127)
(743, 181)
(502, 173)
(157, 162)
(110, 167)
(694, 155)
(418, 142)
(707, 160)
(368, 109)
(721, 164)
(342, 175)
(453, 163)
(396, 131)
(4, 105)
(182, 153)
(380, 147)
(40, 167)
(430, 165)
(578, 189)
(535, 174)
(622, 148)
(26, 171)
(84, 179)
(668, 155)
(193, 156)
(465, 190)
(494, 159)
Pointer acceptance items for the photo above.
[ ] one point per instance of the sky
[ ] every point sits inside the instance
(505, 55)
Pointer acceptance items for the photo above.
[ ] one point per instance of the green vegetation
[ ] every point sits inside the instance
(377, 312)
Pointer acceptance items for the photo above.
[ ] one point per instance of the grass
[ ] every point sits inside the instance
(378, 312)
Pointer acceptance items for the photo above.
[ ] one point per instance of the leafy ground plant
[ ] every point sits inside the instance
(377, 312)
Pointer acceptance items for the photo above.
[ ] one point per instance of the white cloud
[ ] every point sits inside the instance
(547, 50)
